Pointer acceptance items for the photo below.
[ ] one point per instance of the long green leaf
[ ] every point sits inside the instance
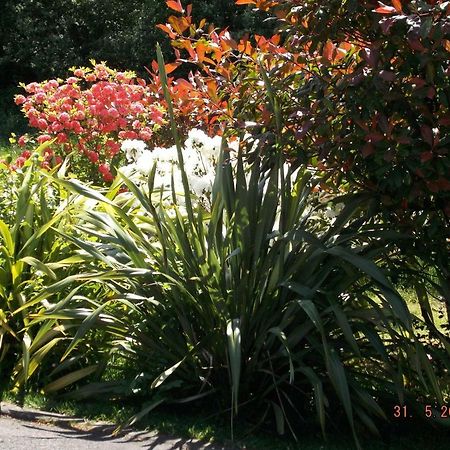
(69, 379)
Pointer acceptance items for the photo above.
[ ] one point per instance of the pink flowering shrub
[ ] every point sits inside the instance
(88, 115)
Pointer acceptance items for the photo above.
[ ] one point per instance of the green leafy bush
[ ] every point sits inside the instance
(29, 249)
(249, 304)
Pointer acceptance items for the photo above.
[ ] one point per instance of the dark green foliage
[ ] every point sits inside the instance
(11, 118)
(42, 39)
(27, 244)
(226, 14)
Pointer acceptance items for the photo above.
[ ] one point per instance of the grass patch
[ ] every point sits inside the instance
(437, 308)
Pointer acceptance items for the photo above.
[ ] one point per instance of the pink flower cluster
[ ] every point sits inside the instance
(92, 111)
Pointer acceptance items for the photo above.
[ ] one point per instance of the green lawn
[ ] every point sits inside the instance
(437, 308)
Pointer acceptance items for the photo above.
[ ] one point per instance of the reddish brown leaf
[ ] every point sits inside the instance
(418, 82)
(171, 67)
(367, 150)
(154, 66)
(387, 75)
(328, 51)
(397, 5)
(361, 124)
(188, 46)
(275, 39)
(347, 165)
(431, 93)
(227, 43)
(217, 56)
(245, 46)
(415, 44)
(320, 140)
(433, 186)
(178, 24)
(371, 56)
(175, 5)
(403, 140)
(419, 173)
(386, 24)
(303, 129)
(224, 72)
(389, 156)
(168, 30)
(384, 9)
(426, 156)
(357, 79)
(444, 121)
(210, 61)
(374, 137)
(212, 89)
(427, 134)
(185, 83)
(443, 184)
(200, 49)
(266, 115)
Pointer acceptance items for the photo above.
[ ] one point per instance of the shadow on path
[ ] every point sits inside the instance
(41, 425)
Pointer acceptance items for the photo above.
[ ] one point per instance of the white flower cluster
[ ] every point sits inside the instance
(325, 208)
(133, 148)
(333, 210)
(200, 154)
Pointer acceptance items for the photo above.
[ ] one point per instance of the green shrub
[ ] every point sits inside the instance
(29, 247)
(248, 304)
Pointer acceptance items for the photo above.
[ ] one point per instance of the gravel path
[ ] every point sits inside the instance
(29, 429)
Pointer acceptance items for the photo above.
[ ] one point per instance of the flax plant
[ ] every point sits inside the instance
(251, 303)
(29, 250)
